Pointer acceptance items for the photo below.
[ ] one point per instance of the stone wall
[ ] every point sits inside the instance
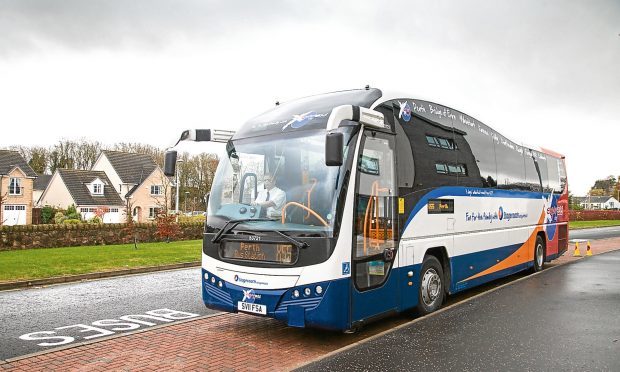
(52, 236)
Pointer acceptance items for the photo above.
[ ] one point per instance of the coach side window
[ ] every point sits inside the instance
(554, 174)
(532, 171)
(510, 169)
(481, 147)
(541, 159)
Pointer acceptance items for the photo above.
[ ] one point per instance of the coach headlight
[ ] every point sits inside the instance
(307, 292)
(319, 290)
(296, 294)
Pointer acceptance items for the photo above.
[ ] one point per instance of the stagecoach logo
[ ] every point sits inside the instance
(248, 281)
(405, 111)
(250, 296)
(499, 215)
(299, 121)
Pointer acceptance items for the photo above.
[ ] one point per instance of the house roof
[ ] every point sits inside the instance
(131, 168)
(12, 159)
(77, 181)
(593, 199)
(41, 182)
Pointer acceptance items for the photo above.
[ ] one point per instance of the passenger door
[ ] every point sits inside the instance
(374, 290)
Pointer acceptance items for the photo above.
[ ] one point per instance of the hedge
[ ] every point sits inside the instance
(589, 215)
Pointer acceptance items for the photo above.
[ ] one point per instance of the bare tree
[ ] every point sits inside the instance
(156, 153)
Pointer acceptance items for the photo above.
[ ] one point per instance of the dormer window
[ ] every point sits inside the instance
(97, 189)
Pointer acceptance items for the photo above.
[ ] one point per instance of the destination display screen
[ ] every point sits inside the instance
(258, 251)
(440, 206)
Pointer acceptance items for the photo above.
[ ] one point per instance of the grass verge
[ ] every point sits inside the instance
(575, 225)
(45, 263)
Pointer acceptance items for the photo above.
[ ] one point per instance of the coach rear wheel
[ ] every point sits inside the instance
(431, 292)
(539, 254)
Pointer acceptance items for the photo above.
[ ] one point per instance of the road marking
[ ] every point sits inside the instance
(96, 329)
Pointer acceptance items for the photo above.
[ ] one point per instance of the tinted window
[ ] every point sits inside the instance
(479, 156)
(544, 173)
(553, 170)
(532, 170)
(510, 168)
(562, 171)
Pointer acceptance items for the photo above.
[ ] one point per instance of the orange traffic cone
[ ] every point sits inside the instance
(577, 253)
(589, 250)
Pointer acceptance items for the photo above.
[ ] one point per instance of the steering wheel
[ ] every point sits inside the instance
(298, 205)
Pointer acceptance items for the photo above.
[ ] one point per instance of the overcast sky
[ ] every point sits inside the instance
(542, 72)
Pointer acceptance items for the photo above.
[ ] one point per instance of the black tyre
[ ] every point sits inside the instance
(539, 254)
(431, 291)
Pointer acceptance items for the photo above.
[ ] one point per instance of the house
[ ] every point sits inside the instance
(16, 183)
(91, 192)
(597, 202)
(139, 181)
(40, 184)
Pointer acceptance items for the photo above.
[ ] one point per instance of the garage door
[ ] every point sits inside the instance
(14, 214)
(113, 216)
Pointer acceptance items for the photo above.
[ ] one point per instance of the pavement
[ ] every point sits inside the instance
(562, 319)
(234, 342)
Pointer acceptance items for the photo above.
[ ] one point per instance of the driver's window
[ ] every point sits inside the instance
(375, 230)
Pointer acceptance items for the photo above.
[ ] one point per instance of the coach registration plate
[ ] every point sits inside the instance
(252, 308)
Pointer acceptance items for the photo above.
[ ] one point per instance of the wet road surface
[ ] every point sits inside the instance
(566, 318)
(598, 233)
(79, 308)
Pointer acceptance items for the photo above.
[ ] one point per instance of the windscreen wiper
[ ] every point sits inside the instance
(231, 225)
(298, 244)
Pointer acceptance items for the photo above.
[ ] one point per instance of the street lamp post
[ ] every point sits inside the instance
(186, 195)
(176, 182)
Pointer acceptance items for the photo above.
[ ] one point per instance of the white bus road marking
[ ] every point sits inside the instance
(123, 323)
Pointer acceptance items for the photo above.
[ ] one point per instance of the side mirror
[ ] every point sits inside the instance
(334, 143)
(170, 163)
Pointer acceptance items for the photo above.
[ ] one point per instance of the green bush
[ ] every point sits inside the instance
(72, 213)
(47, 214)
(95, 219)
(59, 217)
(71, 221)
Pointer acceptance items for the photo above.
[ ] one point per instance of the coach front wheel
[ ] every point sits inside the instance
(431, 291)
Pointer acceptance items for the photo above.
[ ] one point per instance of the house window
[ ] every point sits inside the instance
(97, 189)
(156, 190)
(15, 186)
(153, 211)
(113, 210)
